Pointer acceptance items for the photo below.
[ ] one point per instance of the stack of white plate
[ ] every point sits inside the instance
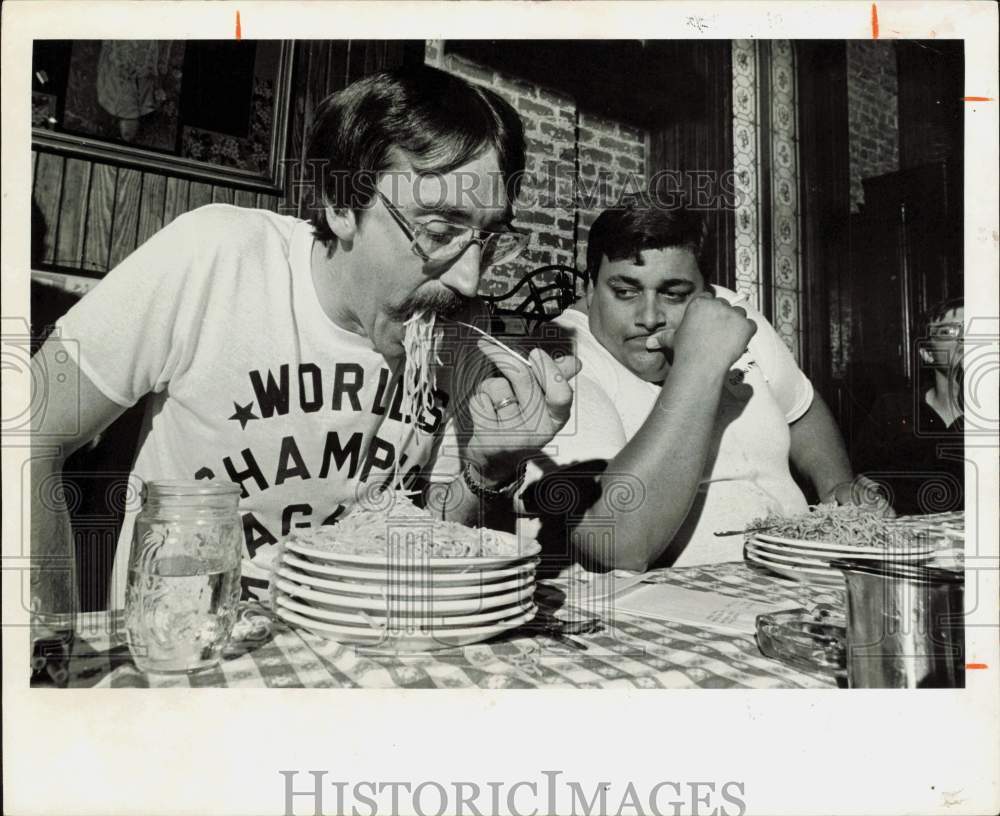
(809, 561)
(404, 605)
(946, 531)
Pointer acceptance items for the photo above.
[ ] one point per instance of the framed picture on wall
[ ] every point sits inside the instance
(215, 110)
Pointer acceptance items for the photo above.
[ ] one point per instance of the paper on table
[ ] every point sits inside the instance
(584, 586)
(708, 609)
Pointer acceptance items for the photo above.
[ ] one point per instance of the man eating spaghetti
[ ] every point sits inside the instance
(304, 360)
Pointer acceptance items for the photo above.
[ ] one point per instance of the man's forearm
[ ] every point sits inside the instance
(818, 450)
(664, 463)
(53, 570)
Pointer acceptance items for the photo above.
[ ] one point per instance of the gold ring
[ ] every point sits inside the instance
(504, 403)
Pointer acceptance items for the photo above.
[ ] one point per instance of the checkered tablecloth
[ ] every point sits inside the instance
(628, 651)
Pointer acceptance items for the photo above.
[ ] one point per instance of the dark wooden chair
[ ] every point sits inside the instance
(539, 296)
(96, 475)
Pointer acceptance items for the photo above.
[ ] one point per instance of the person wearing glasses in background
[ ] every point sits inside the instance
(273, 347)
(912, 442)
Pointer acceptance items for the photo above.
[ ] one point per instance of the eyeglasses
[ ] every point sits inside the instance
(441, 241)
(947, 331)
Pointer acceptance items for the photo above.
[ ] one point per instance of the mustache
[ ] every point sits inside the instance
(442, 302)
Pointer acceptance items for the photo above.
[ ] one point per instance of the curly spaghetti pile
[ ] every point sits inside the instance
(834, 524)
(405, 530)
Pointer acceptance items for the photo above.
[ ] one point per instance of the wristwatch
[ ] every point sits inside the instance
(484, 492)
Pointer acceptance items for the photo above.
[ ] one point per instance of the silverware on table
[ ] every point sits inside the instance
(562, 630)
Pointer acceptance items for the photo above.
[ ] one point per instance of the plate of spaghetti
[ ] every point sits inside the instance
(846, 529)
(407, 537)
(465, 584)
(801, 547)
(460, 576)
(396, 564)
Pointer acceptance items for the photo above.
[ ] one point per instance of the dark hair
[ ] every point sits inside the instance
(624, 232)
(937, 311)
(433, 119)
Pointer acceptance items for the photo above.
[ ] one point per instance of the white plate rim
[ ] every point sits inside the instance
(373, 636)
(468, 576)
(436, 622)
(459, 605)
(824, 556)
(827, 546)
(784, 558)
(405, 590)
(763, 559)
(802, 574)
(528, 550)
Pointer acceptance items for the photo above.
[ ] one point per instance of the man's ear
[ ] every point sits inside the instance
(342, 222)
(925, 355)
(588, 292)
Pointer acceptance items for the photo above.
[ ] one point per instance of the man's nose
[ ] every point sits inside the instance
(463, 274)
(650, 315)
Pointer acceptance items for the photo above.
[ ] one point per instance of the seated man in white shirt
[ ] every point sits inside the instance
(686, 415)
(274, 350)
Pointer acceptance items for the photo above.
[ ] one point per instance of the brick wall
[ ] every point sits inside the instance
(872, 112)
(577, 164)
(611, 161)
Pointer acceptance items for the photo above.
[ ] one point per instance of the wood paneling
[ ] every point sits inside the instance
(323, 67)
(47, 194)
(154, 192)
(222, 195)
(72, 219)
(245, 198)
(176, 201)
(700, 142)
(100, 217)
(95, 214)
(825, 208)
(296, 122)
(361, 60)
(315, 91)
(200, 195)
(125, 224)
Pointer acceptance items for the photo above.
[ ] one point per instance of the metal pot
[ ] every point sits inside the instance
(905, 625)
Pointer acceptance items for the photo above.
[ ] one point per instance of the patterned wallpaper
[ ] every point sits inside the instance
(765, 157)
(786, 249)
(746, 129)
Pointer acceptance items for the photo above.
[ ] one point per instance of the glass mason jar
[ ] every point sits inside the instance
(183, 575)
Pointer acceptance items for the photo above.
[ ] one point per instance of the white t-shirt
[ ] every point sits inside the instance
(747, 473)
(251, 382)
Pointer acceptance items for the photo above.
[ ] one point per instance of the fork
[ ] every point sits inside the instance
(492, 339)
